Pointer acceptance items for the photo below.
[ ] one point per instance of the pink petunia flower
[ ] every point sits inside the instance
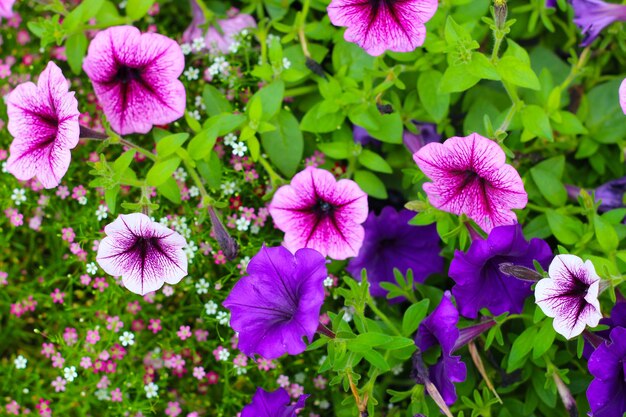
(383, 25)
(570, 295)
(6, 8)
(135, 77)
(470, 176)
(622, 95)
(43, 120)
(144, 253)
(320, 213)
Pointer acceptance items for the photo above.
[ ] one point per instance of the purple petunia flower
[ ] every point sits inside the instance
(361, 136)
(592, 16)
(144, 253)
(316, 211)
(607, 392)
(381, 25)
(278, 302)
(221, 36)
(622, 95)
(43, 119)
(390, 242)
(415, 142)
(6, 8)
(551, 4)
(135, 77)
(439, 328)
(470, 176)
(570, 295)
(273, 404)
(479, 281)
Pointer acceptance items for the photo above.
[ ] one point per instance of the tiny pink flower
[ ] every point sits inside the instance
(85, 362)
(470, 176)
(57, 360)
(199, 373)
(47, 350)
(184, 332)
(116, 395)
(67, 234)
(70, 336)
(57, 296)
(316, 211)
(155, 325)
(93, 336)
(173, 409)
(212, 378)
(59, 384)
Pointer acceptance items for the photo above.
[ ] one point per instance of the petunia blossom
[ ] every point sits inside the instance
(470, 176)
(43, 119)
(592, 16)
(273, 404)
(570, 295)
(607, 392)
(440, 329)
(135, 77)
(144, 253)
(390, 242)
(383, 25)
(6, 8)
(622, 95)
(318, 212)
(479, 281)
(278, 302)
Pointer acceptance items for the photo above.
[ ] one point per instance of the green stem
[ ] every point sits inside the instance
(275, 179)
(198, 181)
(138, 148)
(383, 316)
(582, 60)
(300, 91)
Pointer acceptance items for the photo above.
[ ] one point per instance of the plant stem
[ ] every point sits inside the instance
(383, 316)
(138, 148)
(275, 179)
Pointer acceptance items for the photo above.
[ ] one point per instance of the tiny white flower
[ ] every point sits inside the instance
(180, 174)
(199, 102)
(222, 318)
(127, 339)
(102, 212)
(194, 191)
(230, 139)
(4, 167)
(198, 44)
(349, 312)
(191, 73)
(69, 373)
(328, 282)
(255, 229)
(18, 196)
(152, 390)
(223, 355)
(229, 187)
(190, 250)
(242, 224)
(122, 4)
(239, 149)
(82, 200)
(210, 308)
(186, 48)
(239, 370)
(164, 221)
(397, 370)
(202, 286)
(20, 362)
(324, 405)
(299, 377)
(271, 37)
(234, 47)
(103, 395)
(286, 63)
(92, 268)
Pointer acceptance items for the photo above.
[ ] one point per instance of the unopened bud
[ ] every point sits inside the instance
(228, 245)
(385, 108)
(500, 13)
(315, 67)
(520, 272)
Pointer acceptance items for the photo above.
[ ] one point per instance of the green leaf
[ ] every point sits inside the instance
(384, 127)
(436, 104)
(285, 145)
(271, 97)
(214, 101)
(371, 184)
(372, 339)
(315, 122)
(255, 147)
(86, 10)
(377, 360)
(170, 190)
(537, 122)
(161, 171)
(136, 9)
(545, 338)
(110, 198)
(517, 72)
(549, 185)
(413, 316)
(337, 150)
(457, 78)
(170, 144)
(75, 49)
(567, 230)
(374, 162)
(211, 170)
(521, 348)
(123, 162)
(605, 233)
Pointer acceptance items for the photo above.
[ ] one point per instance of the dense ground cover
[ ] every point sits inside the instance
(312, 207)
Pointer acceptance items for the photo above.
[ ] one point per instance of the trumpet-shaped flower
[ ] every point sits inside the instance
(383, 25)
(470, 176)
(390, 242)
(318, 212)
(43, 120)
(278, 302)
(592, 16)
(144, 253)
(273, 404)
(135, 77)
(6, 8)
(607, 391)
(570, 295)
(479, 281)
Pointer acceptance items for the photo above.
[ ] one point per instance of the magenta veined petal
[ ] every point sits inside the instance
(135, 77)
(570, 295)
(383, 25)
(6, 8)
(144, 253)
(470, 176)
(622, 95)
(43, 119)
(316, 211)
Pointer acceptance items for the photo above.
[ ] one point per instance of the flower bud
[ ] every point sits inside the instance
(500, 13)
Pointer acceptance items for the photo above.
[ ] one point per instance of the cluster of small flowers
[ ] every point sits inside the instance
(248, 220)
(21, 307)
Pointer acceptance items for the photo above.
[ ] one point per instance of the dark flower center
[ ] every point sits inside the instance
(143, 247)
(323, 208)
(126, 74)
(577, 288)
